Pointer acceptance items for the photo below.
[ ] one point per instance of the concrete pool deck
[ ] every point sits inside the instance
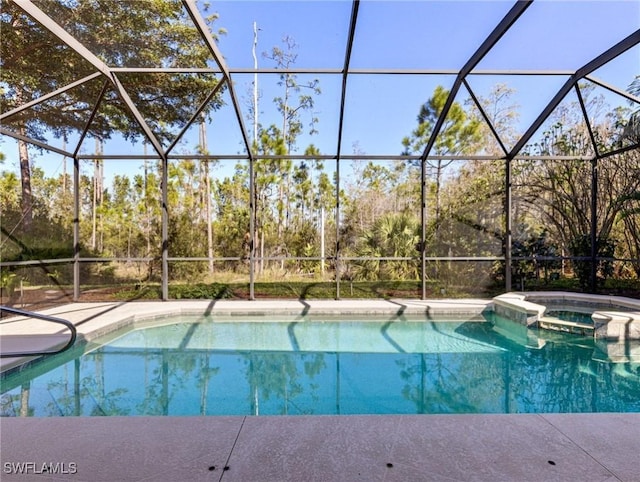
(519, 447)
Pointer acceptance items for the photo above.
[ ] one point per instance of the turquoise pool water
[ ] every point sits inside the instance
(199, 366)
(567, 315)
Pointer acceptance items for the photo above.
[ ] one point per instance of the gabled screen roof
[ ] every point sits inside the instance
(354, 74)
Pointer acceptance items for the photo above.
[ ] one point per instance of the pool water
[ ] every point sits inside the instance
(199, 366)
(575, 316)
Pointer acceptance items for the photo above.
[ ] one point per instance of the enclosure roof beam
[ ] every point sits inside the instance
(622, 150)
(85, 53)
(124, 95)
(587, 122)
(621, 47)
(613, 88)
(48, 96)
(330, 157)
(507, 22)
(197, 113)
(92, 116)
(347, 60)
(363, 71)
(33, 141)
(63, 35)
(202, 27)
(485, 117)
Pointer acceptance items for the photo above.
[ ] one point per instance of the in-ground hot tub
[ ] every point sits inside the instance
(612, 318)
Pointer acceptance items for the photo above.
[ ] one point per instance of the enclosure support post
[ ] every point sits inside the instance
(76, 228)
(423, 227)
(508, 207)
(165, 228)
(337, 265)
(347, 60)
(593, 232)
(252, 227)
(594, 222)
(76, 198)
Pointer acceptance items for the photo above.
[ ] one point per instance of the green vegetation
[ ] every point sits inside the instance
(293, 289)
(295, 233)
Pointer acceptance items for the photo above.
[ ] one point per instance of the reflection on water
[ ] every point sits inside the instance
(216, 369)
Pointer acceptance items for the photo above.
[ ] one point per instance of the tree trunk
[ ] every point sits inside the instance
(94, 203)
(97, 201)
(25, 176)
(322, 241)
(207, 183)
(147, 209)
(280, 205)
(261, 250)
(437, 216)
(25, 168)
(64, 169)
(209, 223)
(438, 183)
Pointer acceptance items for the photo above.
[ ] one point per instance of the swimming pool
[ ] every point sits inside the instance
(195, 365)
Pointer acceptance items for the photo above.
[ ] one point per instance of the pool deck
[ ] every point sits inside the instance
(518, 447)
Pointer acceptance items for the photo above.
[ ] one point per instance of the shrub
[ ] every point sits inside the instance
(580, 247)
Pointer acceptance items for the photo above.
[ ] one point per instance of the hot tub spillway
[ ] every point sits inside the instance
(550, 322)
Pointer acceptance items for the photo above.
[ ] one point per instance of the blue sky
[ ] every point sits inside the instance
(382, 109)
(440, 35)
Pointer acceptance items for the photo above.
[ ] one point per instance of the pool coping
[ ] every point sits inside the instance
(93, 320)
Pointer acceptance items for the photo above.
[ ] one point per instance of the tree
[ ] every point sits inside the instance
(152, 33)
(460, 134)
(502, 113)
(559, 194)
(231, 207)
(312, 193)
(274, 177)
(205, 194)
(630, 215)
(580, 246)
(290, 107)
(630, 236)
(632, 128)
